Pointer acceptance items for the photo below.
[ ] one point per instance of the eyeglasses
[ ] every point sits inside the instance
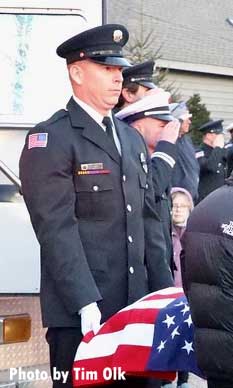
(176, 206)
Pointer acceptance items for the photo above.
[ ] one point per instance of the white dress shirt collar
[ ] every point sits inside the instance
(98, 119)
(92, 112)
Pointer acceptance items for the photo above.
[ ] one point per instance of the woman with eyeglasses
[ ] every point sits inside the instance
(182, 205)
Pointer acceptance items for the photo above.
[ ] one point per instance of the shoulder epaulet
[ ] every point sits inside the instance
(55, 117)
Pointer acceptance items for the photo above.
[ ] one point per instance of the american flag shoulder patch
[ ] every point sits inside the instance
(37, 140)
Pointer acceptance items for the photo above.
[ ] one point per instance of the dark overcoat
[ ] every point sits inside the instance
(93, 214)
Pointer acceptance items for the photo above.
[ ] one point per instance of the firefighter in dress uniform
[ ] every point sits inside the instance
(86, 180)
(212, 158)
(151, 117)
(137, 81)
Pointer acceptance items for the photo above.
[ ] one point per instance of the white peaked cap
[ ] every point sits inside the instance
(154, 105)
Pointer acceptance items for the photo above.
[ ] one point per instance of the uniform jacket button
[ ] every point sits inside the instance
(129, 208)
(95, 188)
(130, 239)
(131, 270)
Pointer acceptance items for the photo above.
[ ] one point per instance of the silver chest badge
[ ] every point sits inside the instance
(143, 162)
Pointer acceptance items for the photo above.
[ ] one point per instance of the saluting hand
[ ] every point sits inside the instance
(171, 131)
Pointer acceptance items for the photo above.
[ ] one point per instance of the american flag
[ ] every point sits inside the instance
(37, 140)
(151, 337)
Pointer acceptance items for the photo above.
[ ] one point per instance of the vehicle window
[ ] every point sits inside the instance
(9, 192)
(33, 73)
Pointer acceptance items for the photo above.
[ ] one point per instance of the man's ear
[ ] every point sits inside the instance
(138, 124)
(128, 96)
(76, 73)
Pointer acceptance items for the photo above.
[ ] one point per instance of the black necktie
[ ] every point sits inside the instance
(108, 125)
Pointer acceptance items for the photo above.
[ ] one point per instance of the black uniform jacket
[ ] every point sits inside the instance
(186, 170)
(90, 209)
(213, 168)
(163, 161)
(208, 280)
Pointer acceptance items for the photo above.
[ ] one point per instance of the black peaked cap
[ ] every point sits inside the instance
(141, 74)
(212, 126)
(102, 44)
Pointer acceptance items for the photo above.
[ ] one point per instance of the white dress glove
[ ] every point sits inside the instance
(90, 318)
(170, 131)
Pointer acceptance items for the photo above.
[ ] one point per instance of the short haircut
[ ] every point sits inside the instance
(132, 88)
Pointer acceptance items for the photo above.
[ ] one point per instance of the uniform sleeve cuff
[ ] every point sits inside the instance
(166, 151)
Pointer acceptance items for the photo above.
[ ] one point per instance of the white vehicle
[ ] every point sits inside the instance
(34, 85)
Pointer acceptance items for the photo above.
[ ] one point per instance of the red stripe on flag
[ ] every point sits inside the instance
(158, 296)
(134, 358)
(134, 315)
(129, 359)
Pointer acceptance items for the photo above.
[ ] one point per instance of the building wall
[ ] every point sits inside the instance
(185, 32)
(216, 91)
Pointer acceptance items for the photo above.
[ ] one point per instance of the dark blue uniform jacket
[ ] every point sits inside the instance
(91, 227)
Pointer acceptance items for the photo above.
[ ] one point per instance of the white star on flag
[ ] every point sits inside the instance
(161, 346)
(185, 309)
(180, 303)
(169, 320)
(188, 346)
(189, 321)
(175, 332)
